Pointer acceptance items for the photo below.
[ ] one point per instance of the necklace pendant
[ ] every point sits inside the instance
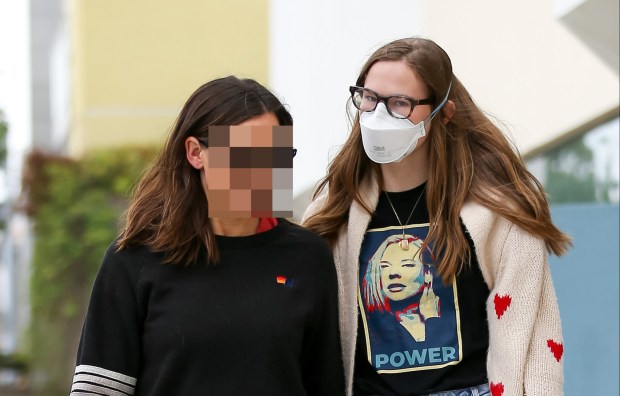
(404, 244)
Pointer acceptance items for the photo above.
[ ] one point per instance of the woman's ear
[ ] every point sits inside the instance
(448, 111)
(193, 152)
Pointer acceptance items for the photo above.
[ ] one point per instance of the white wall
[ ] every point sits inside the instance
(524, 66)
(317, 49)
(516, 59)
(15, 88)
(15, 102)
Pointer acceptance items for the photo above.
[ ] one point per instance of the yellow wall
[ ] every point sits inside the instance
(135, 62)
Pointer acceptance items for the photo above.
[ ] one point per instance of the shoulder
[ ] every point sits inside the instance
(314, 207)
(499, 242)
(311, 251)
(128, 261)
(477, 216)
(485, 225)
(299, 234)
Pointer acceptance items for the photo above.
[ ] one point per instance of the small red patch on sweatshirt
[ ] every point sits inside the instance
(556, 348)
(497, 389)
(501, 304)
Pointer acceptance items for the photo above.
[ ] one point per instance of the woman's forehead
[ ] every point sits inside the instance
(395, 78)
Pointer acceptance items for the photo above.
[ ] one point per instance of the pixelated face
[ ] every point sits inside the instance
(249, 170)
(402, 272)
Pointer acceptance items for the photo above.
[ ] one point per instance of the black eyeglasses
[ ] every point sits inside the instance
(398, 106)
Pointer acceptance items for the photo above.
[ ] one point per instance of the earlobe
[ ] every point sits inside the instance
(193, 152)
(448, 111)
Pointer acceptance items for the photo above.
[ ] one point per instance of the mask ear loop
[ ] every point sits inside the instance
(427, 120)
(443, 102)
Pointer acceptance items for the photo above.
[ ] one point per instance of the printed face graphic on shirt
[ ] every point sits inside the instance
(408, 315)
(402, 273)
(249, 171)
(406, 284)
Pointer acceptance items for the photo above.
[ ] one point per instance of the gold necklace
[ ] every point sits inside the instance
(404, 243)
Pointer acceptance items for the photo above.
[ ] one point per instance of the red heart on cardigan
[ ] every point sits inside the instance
(501, 304)
(556, 348)
(497, 389)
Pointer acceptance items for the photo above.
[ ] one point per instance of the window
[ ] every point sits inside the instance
(585, 169)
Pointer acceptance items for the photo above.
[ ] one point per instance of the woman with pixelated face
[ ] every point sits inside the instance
(170, 312)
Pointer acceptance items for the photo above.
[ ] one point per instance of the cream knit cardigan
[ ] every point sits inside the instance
(525, 336)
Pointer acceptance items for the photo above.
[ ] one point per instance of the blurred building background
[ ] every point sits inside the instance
(102, 74)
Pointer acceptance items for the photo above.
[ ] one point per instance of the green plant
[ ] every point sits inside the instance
(75, 206)
(13, 361)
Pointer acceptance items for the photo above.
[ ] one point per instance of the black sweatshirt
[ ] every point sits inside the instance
(263, 321)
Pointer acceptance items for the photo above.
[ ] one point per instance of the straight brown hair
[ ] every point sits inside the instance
(470, 158)
(169, 209)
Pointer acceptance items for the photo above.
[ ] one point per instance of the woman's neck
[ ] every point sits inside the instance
(234, 226)
(406, 174)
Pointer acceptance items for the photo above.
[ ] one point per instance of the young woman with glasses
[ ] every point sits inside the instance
(440, 237)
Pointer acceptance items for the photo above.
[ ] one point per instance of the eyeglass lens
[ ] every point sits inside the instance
(365, 100)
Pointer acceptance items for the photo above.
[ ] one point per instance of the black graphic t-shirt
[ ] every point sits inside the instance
(416, 335)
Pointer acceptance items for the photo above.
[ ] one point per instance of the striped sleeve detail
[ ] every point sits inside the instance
(92, 380)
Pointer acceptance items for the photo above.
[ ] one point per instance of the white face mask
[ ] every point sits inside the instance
(387, 139)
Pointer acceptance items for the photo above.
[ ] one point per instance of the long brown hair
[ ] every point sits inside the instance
(169, 209)
(470, 158)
